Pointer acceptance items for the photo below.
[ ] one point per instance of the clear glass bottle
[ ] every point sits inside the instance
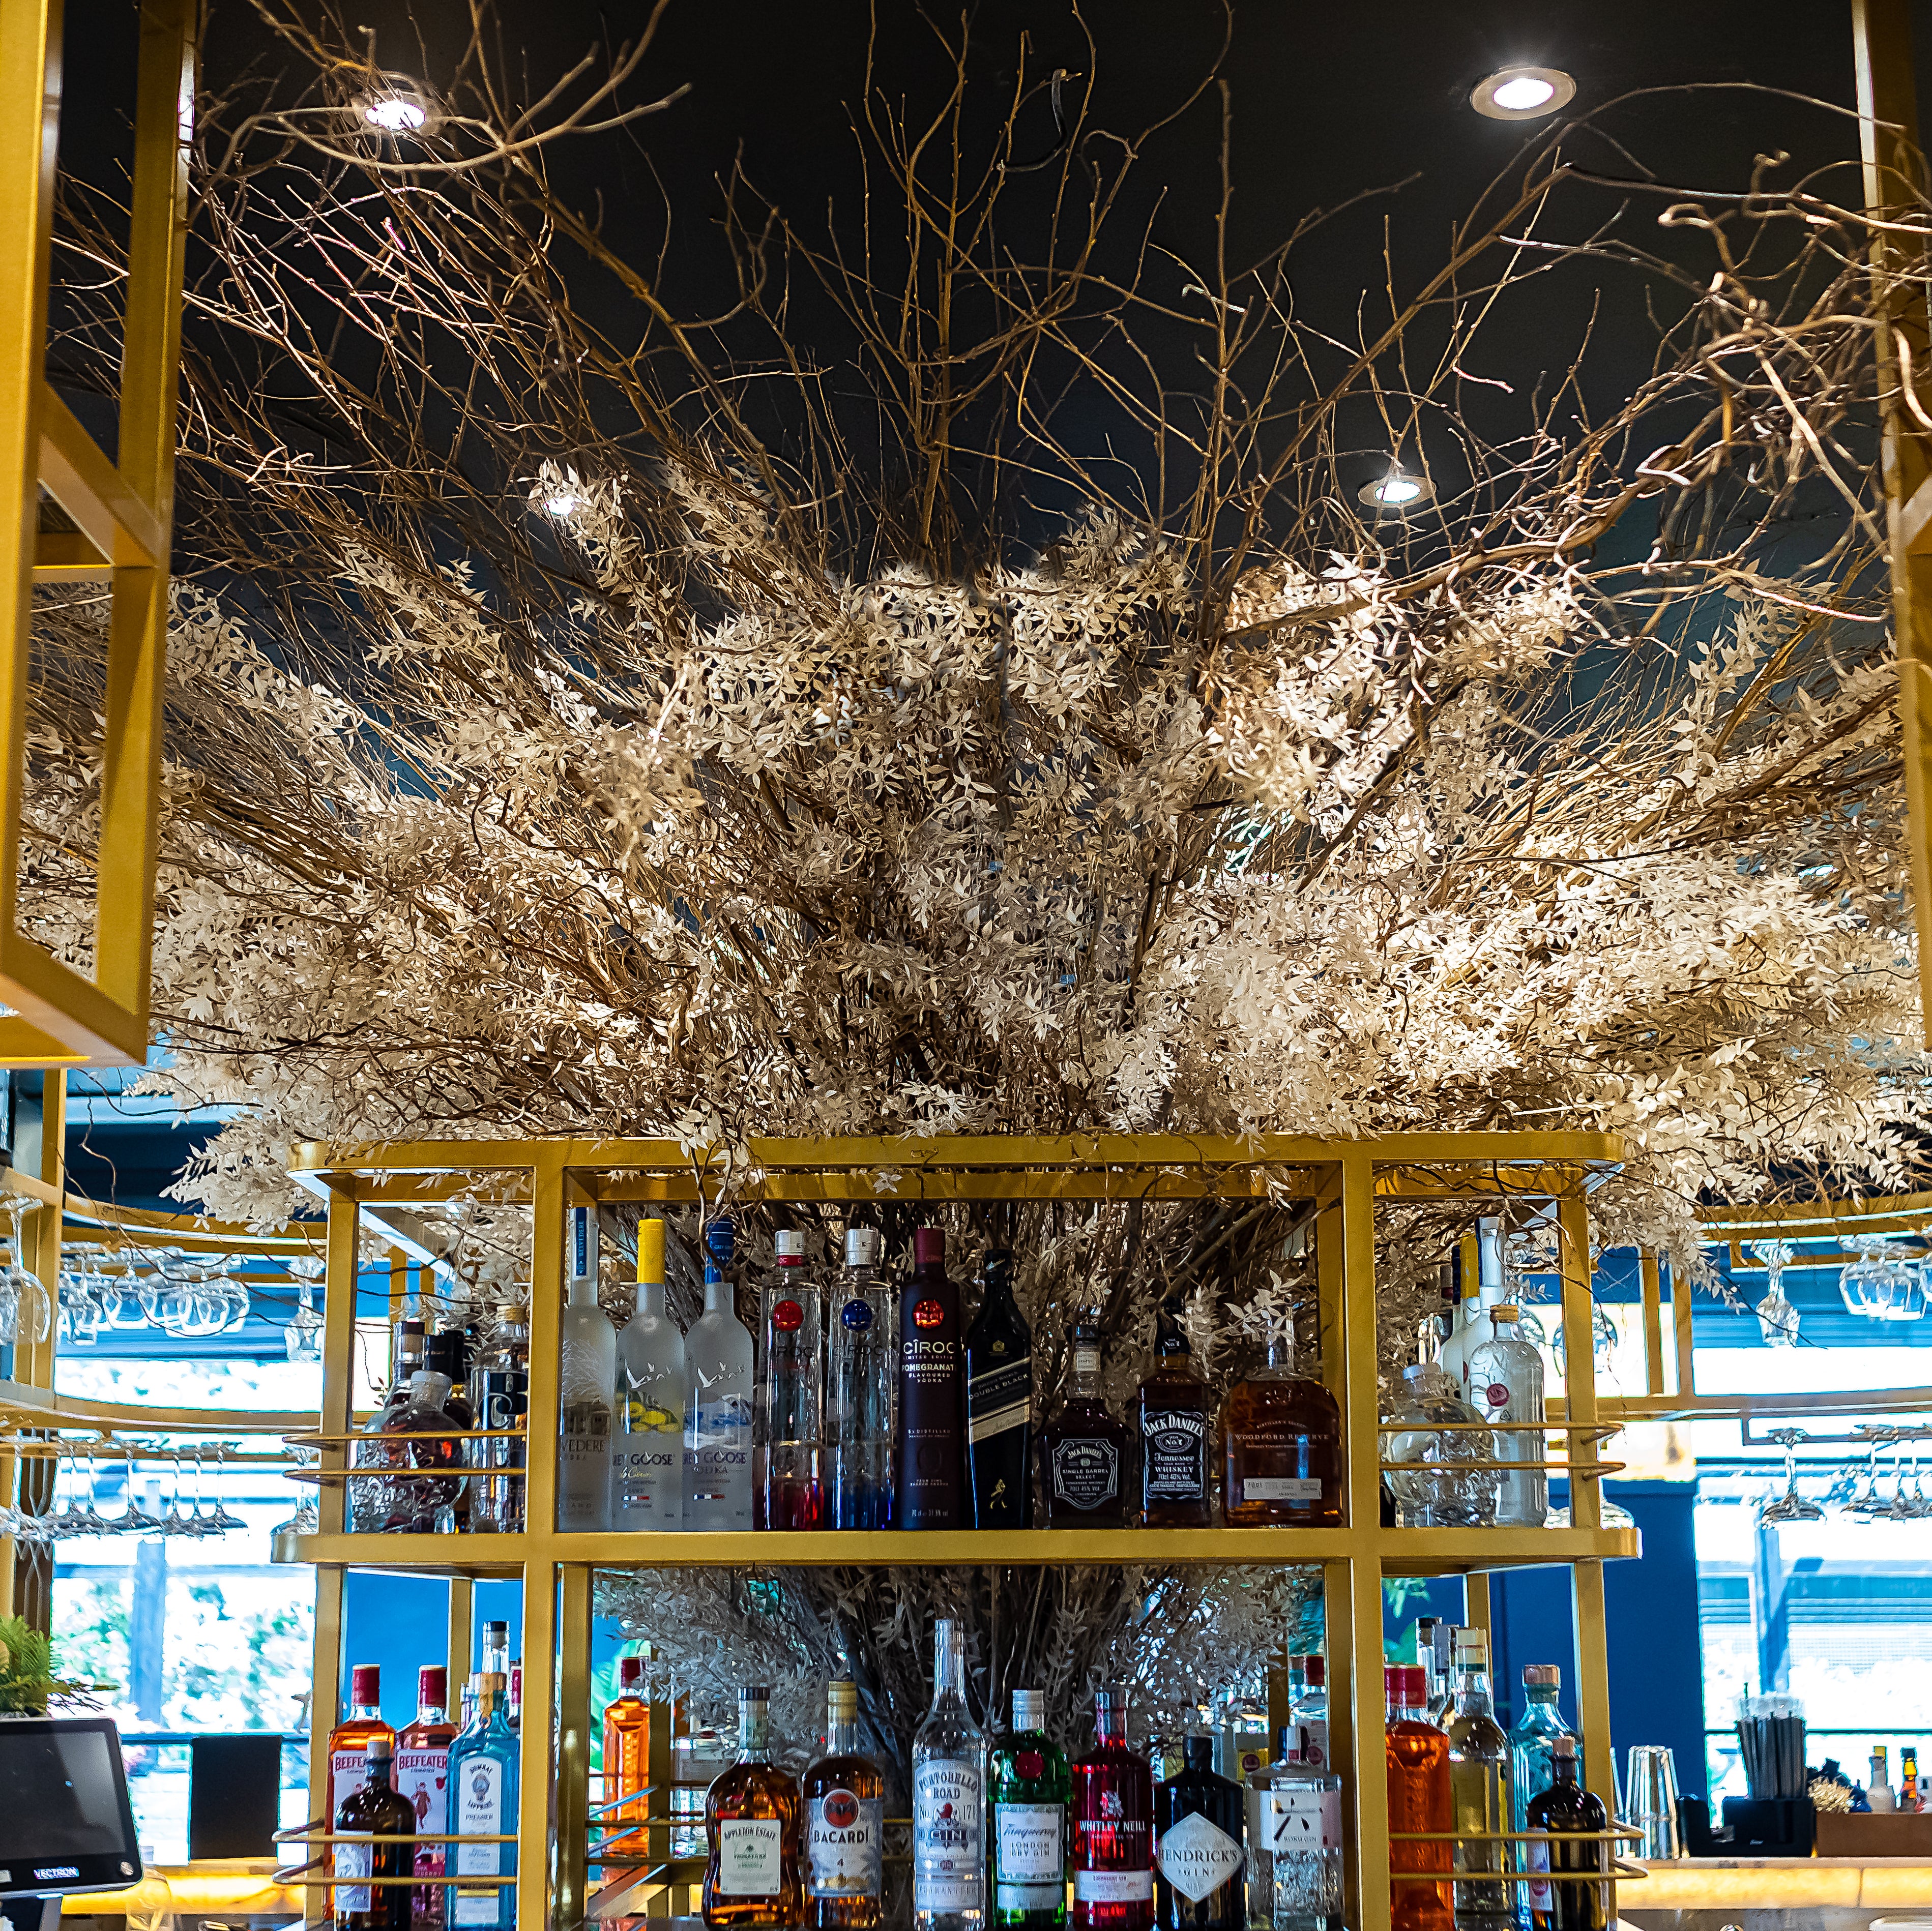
(1419, 1800)
(786, 1491)
(1448, 1479)
(844, 1799)
(1478, 1295)
(949, 1761)
(1294, 1848)
(1439, 1670)
(1030, 1785)
(1083, 1448)
(1200, 1845)
(422, 1780)
(1479, 1784)
(1505, 1384)
(718, 1400)
(1532, 1742)
(373, 1500)
(647, 1450)
(1281, 1436)
(484, 1776)
(862, 1390)
(1240, 1729)
(586, 1384)
(501, 1381)
(1310, 1714)
(423, 1501)
(1113, 1826)
(753, 1874)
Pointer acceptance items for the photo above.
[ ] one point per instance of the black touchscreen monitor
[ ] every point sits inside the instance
(65, 1821)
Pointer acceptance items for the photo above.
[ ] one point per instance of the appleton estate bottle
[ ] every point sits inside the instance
(999, 1404)
(931, 1465)
(1281, 1442)
(844, 1801)
(375, 1809)
(751, 1880)
(1171, 1417)
(1083, 1449)
(1113, 1827)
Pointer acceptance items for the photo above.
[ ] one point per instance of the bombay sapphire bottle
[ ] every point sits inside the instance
(483, 1802)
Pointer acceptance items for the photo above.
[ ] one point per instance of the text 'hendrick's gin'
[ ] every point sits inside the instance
(931, 1378)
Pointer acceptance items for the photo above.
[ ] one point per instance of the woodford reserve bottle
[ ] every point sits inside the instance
(1170, 1419)
(844, 1799)
(1113, 1827)
(1083, 1457)
(1029, 1787)
(949, 1842)
(999, 1404)
(932, 1390)
(751, 1880)
(1282, 1442)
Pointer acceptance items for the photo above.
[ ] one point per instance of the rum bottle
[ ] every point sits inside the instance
(844, 1799)
(718, 1401)
(1030, 1786)
(627, 1770)
(586, 1382)
(1479, 1786)
(949, 1755)
(861, 1361)
(349, 1742)
(931, 1393)
(1281, 1442)
(374, 1808)
(1419, 1799)
(483, 1778)
(1199, 1851)
(647, 1447)
(999, 1404)
(1172, 1423)
(751, 1879)
(786, 1494)
(1113, 1827)
(1556, 1905)
(1084, 1454)
(422, 1781)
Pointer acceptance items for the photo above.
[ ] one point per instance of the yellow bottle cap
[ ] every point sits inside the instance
(650, 1250)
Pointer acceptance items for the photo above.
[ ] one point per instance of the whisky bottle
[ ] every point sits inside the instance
(1419, 1800)
(1030, 1786)
(1199, 1854)
(931, 1461)
(1281, 1438)
(1083, 1448)
(751, 1874)
(999, 1404)
(376, 1809)
(949, 1858)
(844, 1799)
(1554, 1904)
(1113, 1827)
(786, 1494)
(422, 1781)
(1171, 1422)
(861, 1376)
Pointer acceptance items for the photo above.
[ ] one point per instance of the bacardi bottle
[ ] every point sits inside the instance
(861, 1384)
(1030, 1785)
(949, 1759)
(1479, 1786)
(1419, 1800)
(1199, 1852)
(1084, 1448)
(752, 1873)
(1113, 1827)
(845, 1798)
(786, 1492)
(375, 1809)
(1565, 1809)
(647, 1450)
(484, 1782)
(999, 1404)
(587, 1380)
(931, 1461)
(1172, 1420)
(718, 1402)
(422, 1781)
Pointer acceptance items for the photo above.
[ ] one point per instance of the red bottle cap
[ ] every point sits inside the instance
(630, 1672)
(365, 1683)
(928, 1247)
(1405, 1683)
(1314, 1671)
(432, 1687)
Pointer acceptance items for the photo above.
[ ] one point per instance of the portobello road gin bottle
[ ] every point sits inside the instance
(949, 1755)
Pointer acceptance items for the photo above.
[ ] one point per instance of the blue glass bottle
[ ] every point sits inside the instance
(1532, 1770)
(484, 1803)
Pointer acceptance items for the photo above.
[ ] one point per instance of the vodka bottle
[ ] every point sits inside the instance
(1478, 1295)
(718, 1389)
(483, 1782)
(931, 1466)
(862, 1357)
(787, 1493)
(1479, 1786)
(1506, 1384)
(647, 1452)
(948, 1758)
(587, 1380)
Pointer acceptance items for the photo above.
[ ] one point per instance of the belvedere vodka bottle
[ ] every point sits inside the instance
(647, 1453)
(586, 1378)
(948, 1757)
(718, 1392)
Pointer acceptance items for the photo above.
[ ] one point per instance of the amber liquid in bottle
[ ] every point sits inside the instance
(844, 1801)
(349, 1742)
(751, 1876)
(376, 1809)
(627, 1769)
(1172, 1421)
(1281, 1439)
(1419, 1799)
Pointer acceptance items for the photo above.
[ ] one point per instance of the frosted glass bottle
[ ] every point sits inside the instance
(647, 1450)
(587, 1373)
(718, 1399)
(1478, 1296)
(1506, 1384)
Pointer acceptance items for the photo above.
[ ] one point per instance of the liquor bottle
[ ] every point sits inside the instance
(483, 1775)
(1419, 1799)
(1084, 1454)
(786, 1492)
(1241, 1730)
(513, 1696)
(861, 1351)
(1554, 1904)
(1908, 1777)
(349, 1742)
(1309, 1714)
(502, 1400)
(751, 1880)
(1483, 1292)
(1531, 1767)
(1448, 1477)
(627, 1770)
(422, 1780)
(1172, 1425)
(1506, 1384)
(1199, 1845)
(1113, 1826)
(931, 1460)
(1030, 1785)
(422, 1503)
(999, 1404)
(949, 1755)
(495, 1652)
(586, 1381)
(647, 1451)
(844, 1797)
(1294, 1847)
(373, 1500)
(373, 1807)
(1440, 1671)
(1479, 1787)
(1281, 1442)
(718, 1399)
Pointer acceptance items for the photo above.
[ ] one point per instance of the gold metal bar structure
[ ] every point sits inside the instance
(575, 1717)
(1653, 1324)
(462, 1614)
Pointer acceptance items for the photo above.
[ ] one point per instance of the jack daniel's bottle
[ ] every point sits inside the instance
(1084, 1452)
(999, 1405)
(930, 1466)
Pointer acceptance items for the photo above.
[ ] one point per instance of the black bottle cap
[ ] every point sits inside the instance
(1197, 1751)
(998, 1266)
(1169, 1337)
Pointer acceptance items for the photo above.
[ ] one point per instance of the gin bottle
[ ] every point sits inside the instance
(1479, 1787)
(1029, 1787)
(1199, 1852)
(422, 1780)
(1113, 1827)
(1421, 1803)
(647, 1457)
(1294, 1847)
(483, 1782)
(587, 1380)
(718, 1399)
(949, 1756)
(1567, 1810)
(1506, 1385)
(786, 1493)
(999, 1404)
(861, 1384)
(374, 1810)
(1532, 1742)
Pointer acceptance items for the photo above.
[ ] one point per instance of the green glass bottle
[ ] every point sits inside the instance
(1029, 1789)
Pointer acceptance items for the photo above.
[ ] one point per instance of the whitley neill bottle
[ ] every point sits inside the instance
(931, 1468)
(999, 1405)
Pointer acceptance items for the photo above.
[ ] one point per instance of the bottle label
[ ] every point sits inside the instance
(1197, 1857)
(751, 1861)
(354, 1861)
(647, 1467)
(347, 1769)
(999, 1399)
(478, 1780)
(717, 1456)
(1537, 1859)
(948, 1839)
(1112, 1886)
(1294, 1816)
(583, 1465)
(422, 1776)
(1030, 1855)
(1175, 1443)
(1311, 1749)
(845, 1845)
(1280, 1488)
(1086, 1472)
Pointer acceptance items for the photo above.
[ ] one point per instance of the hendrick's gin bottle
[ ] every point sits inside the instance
(930, 1466)
(999, 1405)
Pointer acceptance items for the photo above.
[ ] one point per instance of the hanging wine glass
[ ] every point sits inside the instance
(29, 1312)
(1866, 1285)
(224, 1518)
(304, 1331)
(1776, 1318)
(1869, 1504)
(1790, 1506)
(133, 1519)
(1905, 1298)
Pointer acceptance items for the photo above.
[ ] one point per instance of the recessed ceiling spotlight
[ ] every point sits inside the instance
(395, 113)
(1522, 93)
(1396, 491)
